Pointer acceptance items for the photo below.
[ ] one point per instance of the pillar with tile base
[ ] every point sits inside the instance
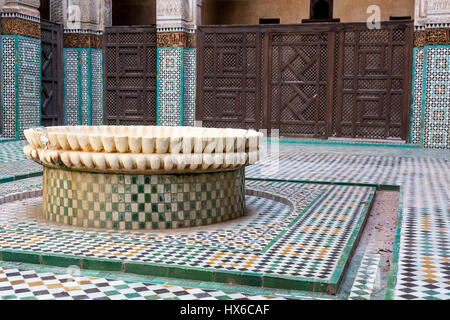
(83, 59)
(20, 67)
(430, 110)
(176, 25)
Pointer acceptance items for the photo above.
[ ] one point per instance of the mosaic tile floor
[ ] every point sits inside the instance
(16, 190)
(372, 234)
(368, 271)
(13, 163)
(12, 151)
(423, 267)
(304, 242)
(22, 284)
(420, 265)
(365, 278)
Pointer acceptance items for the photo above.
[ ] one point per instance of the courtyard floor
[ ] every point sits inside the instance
(335, 221)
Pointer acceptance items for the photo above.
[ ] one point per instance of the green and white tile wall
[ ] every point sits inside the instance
(189, 86)
(97, 86)
(170, 86)
(83, 85)
(20, 85)
(138, 202)
(430, 111)
(176, 86)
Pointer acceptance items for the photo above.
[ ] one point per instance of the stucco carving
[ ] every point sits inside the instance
(81, 14)
(107, 13)
(432, 12)
(432, 37)
(176, 14)
(176, 39)
(27, 7)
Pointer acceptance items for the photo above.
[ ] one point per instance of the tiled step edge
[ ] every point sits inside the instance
(20, 196)
(21, 177)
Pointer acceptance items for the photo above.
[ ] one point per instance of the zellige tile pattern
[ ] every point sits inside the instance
(142, 202)
(308, 243)
(21, 284)
(423, 262)
(423, 174)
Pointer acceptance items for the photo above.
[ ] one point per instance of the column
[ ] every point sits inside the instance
(430, 110)
(20, 67)
(83, 58)
(176, 26)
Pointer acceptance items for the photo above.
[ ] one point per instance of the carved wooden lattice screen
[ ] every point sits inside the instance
(298, 82)
(52, 80)
(130, 76)
(373, 81)
(307, 80)
(230, 76)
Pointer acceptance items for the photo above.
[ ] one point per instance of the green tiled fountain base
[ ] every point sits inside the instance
(297, 236)
(142, 202)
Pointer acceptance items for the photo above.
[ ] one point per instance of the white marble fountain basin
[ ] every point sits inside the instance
(143, 148)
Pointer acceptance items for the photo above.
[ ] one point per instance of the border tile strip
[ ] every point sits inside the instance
(18, 282)
(258, 279)
(83, 86)
(21, 85)
(392, 279)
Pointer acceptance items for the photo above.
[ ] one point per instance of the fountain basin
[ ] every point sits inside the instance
(143, 178)
(143, 149)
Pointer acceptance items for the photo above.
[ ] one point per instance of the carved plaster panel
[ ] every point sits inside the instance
(432, 13)
(26, 7)
(176, 15)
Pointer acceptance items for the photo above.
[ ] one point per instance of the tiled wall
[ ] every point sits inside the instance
(170, 86)
(416, 110)
(430, 121)
(8, 87)
(21, 85)
(138, 202)
(71, 87)
(83, 82)
(189, 84)
(97, 86)
(176, 86)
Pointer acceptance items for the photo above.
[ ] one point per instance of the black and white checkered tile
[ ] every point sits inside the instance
(20, 284)
(424, 261)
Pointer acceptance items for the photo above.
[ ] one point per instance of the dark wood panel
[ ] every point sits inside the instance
(298, 85)
(52, 81)
(230, 76)
(374, 81)
(319, 80)
(130, 75)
